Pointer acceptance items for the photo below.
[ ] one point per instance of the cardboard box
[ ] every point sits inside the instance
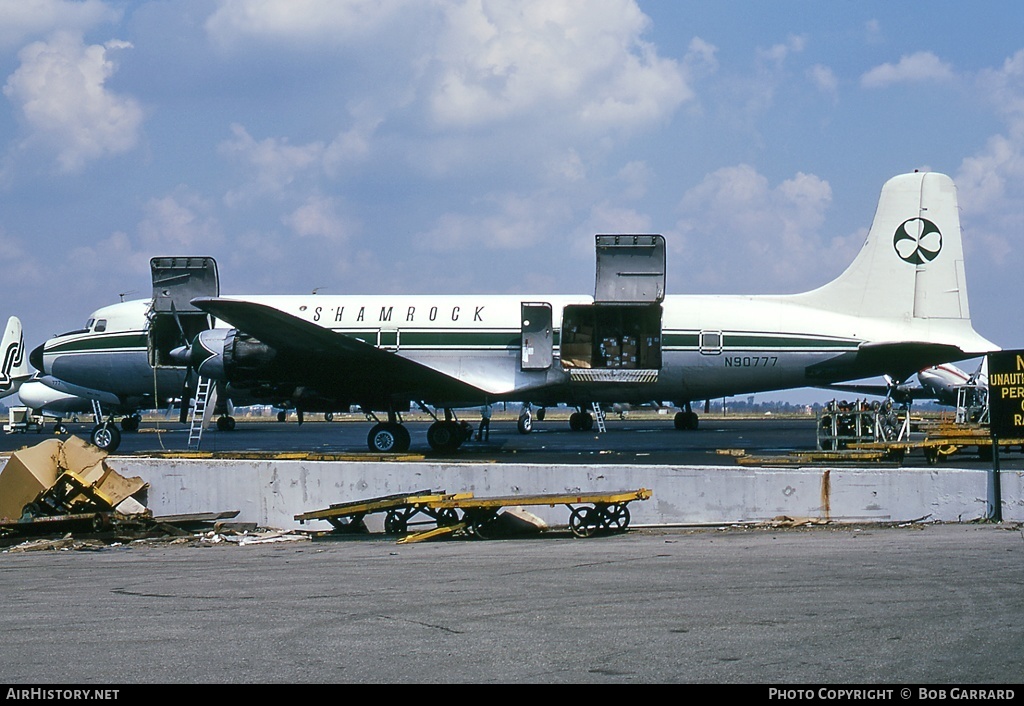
(576, 355)
(28, 473)
(31, 472)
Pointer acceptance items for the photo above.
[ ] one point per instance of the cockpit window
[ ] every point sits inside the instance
(101, 326)
(89, 323)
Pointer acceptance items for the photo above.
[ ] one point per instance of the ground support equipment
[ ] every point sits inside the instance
(463, 513)
(945, 440)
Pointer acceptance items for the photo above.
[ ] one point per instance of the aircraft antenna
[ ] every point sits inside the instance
(125, 294)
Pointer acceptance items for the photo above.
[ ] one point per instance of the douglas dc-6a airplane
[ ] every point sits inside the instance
(940, 383)
(14, 368)
(901, 306)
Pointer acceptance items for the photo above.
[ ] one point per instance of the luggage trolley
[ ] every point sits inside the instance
(589, 513)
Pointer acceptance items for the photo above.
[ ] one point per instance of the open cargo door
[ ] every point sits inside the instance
(537, 338)
(618, 337)
(630, 269)
(173, 320)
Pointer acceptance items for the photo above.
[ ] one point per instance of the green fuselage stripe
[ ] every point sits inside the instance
(485, 340)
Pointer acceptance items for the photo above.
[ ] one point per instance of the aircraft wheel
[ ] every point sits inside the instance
(586, 421)
(525, 424)
(59, 428)
(226, 423)
(130, 423)
(444, 436)
(106, 437)
(329, 417)
(282, 415)
(686, 420)
(540, 414)
(574, 421)
(388, 437)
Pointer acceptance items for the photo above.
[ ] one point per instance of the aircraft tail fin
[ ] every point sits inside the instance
(912, 264)
(14, 367)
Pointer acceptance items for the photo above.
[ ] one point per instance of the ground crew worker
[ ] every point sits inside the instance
(484, 432)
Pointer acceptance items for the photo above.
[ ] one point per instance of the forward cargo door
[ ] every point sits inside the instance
(173, 321)
(537, 338)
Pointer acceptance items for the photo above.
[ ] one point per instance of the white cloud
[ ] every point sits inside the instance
(635, 176)
(740, 229)
(568, 61)
(60, 92)
(990, 183)
(514, 222)
(566, 167)
(302, 21)
(824, 79)
(24, 19)
(913, 68)
(179, 222)
(275, 163)
(607, 219)
(352, 145)
(318, 217)
(701, 57)
(778, 53)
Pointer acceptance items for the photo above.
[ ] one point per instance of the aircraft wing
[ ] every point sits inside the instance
(311, 348)
(899, 360)
(899, 394)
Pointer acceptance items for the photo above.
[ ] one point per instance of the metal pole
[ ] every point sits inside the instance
(996, 511)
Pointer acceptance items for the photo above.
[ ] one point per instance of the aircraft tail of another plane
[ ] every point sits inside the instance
(912, 264)
(14, 367)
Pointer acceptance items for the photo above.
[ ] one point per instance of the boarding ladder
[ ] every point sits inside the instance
(599, 417)
(199, 419)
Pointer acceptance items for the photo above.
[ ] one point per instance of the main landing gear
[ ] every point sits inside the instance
(131, 422)
(525, 423)
(444, 435)
(581, 421)
(448, 434)
(687, 420)
(105, 435)
(388, 437)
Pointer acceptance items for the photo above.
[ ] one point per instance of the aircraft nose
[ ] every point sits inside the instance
(36, 358)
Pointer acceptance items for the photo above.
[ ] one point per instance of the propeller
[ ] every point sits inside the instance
(182, 355)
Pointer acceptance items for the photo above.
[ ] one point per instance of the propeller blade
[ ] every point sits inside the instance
(187, 393)
(181, 329)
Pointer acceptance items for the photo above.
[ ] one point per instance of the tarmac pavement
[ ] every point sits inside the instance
(879, 606)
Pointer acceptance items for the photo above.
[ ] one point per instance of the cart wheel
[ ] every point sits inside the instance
(897, 455)
(582, 521)
(480, 525)
(616, 517)
(396, 522)
(446, 517)
(931, 456)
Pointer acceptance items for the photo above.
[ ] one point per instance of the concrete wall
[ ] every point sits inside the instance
(271, 493)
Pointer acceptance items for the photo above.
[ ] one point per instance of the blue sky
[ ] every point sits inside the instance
(434, 146)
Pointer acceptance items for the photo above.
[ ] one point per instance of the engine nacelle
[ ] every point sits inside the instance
(230, 355)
